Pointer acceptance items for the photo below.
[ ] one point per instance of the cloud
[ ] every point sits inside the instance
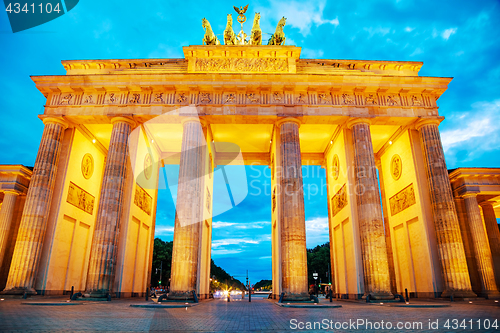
(317, 231)
(473, 133)
(233, 241)
(240, 225)
(221, 224)
(377, 31)
(224, 251)
(409, 29)
(448, 32)
(302, 15)
(164, 231)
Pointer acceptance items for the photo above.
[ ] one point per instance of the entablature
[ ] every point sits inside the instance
(241, 89)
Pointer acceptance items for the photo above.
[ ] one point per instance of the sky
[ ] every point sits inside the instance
(459, 39)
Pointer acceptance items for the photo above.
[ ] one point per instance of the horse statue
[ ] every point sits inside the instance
(229, 35)
(256, 34)
(278, 38)
(209, 38)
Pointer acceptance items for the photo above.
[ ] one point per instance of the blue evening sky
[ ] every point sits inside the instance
(459, 39)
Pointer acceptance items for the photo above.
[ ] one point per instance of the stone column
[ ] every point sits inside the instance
(31, 234)
(493, 232)
(371, 226)
(481, 247)
(449, 240)
(291, 212)
(109, 214)
(387, 229)
(6, 212)
(467, 241)
(189, 210)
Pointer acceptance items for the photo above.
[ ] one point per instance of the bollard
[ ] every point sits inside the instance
(147, 294)
(331, 296)
(451, 298)
(250, 296)
(406, 294)
(72, 292)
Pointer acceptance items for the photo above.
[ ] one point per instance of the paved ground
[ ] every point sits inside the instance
(241, 316)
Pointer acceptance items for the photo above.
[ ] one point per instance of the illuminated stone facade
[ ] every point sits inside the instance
(89, 216)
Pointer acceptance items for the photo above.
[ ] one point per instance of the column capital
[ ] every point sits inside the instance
(486, 203)
(356, 121)
(287, 120)
(427, 121)
(122, 119)
(55, 120)
(203, 123)
(10, 192)
(469, 195)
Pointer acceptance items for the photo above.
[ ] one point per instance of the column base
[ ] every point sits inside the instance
(302, 297)
(19, 291)
(458, 294)
(490, 294)
(99, 294)
(379, 296)
(180, 296)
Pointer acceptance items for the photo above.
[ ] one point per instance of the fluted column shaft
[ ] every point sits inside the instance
(493, 232)
(449, 240)
(467, 241)
(292, 218)
(109, 214)
(189, 211)
(33, 225)
(371, 226)
(481, 247)
(6, 212)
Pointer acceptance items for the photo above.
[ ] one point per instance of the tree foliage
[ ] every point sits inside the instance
(223, 278)
(264, 284)
(162, 252)
(317, 262)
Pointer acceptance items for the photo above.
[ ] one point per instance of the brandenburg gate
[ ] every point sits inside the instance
(88, 217)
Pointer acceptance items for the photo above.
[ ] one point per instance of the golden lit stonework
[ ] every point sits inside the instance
(87, 166)
(358, 119)
(396, 167)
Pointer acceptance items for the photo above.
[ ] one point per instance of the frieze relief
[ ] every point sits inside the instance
(66, 99)
(112, 98)
(402, 200)
(253, 97)
(324, 98)
(238, 65)
(182, 98)
(142, 199)
(339, 200)
(80, 198)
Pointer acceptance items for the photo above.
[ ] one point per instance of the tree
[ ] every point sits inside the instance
(162, 252)
(222, 276)
(317, 262)
(264, 284)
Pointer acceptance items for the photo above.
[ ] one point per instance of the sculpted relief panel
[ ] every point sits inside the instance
(80, 198)
(339, 200)
(235, 65)
(402, 200)
(142, 199)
